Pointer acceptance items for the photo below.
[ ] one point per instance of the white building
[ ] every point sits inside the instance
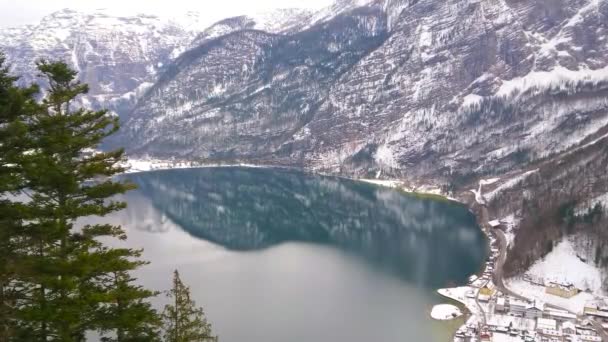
(494, 223)
(568, 328)
(560, 316)
(500, 304)
(535, 310)
(550, 335)
(517, 307)
(546, 323)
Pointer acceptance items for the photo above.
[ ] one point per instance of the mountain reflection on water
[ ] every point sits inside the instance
(429, 243)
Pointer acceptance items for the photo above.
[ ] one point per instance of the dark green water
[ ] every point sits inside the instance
(280, 256)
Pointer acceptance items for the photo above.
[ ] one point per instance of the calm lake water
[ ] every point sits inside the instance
(277, 256)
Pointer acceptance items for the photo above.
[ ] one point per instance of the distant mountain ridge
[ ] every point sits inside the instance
(120, 57)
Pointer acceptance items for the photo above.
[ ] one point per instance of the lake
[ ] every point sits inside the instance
(278, 255)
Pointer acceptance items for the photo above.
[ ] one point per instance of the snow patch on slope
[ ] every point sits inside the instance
(384, 156)
(601, 200)
(558, 78)
(563, 265)
(508, 185)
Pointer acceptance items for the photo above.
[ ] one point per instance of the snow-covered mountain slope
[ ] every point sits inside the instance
(284, 21)
(247, 93)
(448, 87)
(119, 57)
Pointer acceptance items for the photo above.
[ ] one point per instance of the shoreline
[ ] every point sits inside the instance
(152, 165)
(469, 311)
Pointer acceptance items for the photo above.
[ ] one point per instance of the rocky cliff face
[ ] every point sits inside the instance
(428, 88)
(119, 57)
(246, 94)
(283, 21)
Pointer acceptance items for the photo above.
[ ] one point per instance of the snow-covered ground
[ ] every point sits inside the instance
(519, 323)
(508, 184)
(489, 181)
(464, 295)
(563, 265)
(478, 197)
(386, 183)
(575, 304)
(584, 207)
(445, 312)
(144, 165)
(510, 222)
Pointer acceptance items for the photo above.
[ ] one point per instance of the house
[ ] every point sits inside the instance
(564, 290)
(500, 304)
(487, 290)
(560, 316)
(596, 312)
(485, 336)
(483, 298)
(568, 328)
(535, 310)
(494, 223)
(585, 328)
(551, 335)
(546, 324)
(517, 307)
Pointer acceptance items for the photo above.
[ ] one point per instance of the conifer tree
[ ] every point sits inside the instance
(77, 280)
(130, 317)
(182, 320)
(16, 105)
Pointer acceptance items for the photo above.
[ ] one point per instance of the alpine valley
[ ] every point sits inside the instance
(506, 97)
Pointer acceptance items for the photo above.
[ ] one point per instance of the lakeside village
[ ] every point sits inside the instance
(559, 312)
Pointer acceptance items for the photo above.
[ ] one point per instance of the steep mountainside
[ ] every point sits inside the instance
(447, 89)
(119, 57)
(557, 197)
(247, 93)
(278, 21)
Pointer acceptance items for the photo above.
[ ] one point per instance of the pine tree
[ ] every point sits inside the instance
(77, 280)
(182, 320)
(16, 106)
(130, 318)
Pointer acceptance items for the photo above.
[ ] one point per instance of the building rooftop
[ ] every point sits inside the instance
(517, 302)
(568, 325)
(536, 306)
(565, 286)
(560, 314)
